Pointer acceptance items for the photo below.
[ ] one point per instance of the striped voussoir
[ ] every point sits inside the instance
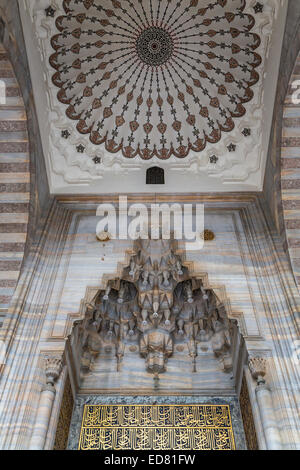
(290, 169)
(14, 182)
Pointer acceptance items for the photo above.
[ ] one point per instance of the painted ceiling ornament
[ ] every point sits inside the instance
(258, 8)
(213, 159)
(50, 11)
(246, 132)
(155, 78)
(231, 147)
(65, 134)
(97, 160)
(80, 148)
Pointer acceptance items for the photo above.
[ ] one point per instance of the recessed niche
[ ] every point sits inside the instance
(155, 175)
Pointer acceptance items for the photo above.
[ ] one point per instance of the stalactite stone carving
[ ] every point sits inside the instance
(156, 304)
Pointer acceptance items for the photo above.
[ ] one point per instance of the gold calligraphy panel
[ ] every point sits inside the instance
(156, 427)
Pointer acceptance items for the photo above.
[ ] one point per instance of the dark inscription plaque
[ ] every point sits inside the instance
(156, 427)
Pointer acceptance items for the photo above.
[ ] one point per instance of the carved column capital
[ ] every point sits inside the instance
(53, 367)
(257, 366)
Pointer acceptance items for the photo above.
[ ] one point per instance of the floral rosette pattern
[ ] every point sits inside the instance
(155, 78)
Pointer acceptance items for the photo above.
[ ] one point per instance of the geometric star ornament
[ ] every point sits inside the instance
(155, 78)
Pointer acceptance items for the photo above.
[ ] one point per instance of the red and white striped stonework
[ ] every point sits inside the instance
(14, 182)
(290, 169)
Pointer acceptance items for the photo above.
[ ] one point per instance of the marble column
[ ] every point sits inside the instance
(257, 366)
(53, 366)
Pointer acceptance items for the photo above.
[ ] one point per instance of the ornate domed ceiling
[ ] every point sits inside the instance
(188, 86)
(155, 77)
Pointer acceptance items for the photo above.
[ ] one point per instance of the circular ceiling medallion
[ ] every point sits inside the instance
(155, 78)
(154, 46)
